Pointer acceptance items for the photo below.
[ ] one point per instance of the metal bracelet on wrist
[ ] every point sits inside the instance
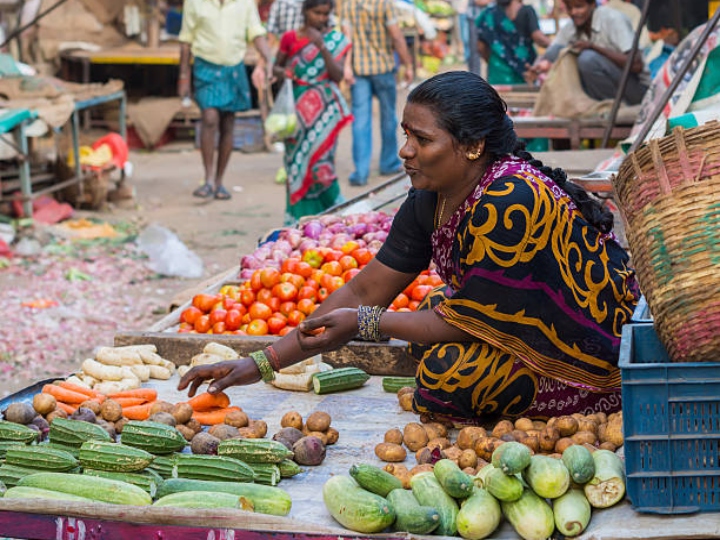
(369, 322)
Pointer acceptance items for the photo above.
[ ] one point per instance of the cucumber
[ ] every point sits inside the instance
(479, 515)
(23, 492)
(356, 508)
(92, 487)
(579, 462)
(393, 384)
(511, 457)
(200, 499)
(375, 479)
(531, 517)
(572, 512)
(503, 487)
(548, 477)
(429, 492)
(411, 516)
(454, 481)
(607, 486)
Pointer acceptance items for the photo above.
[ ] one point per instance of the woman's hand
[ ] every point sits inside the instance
(223, 374)
(315, 36)
(327, 332)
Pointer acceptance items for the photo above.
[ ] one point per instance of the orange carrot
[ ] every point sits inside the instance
(66, 407)
(63, 394)
(137, 412)
(92, 394)
(129, 401)
(149, 394)
(214, 416)
(207, 402)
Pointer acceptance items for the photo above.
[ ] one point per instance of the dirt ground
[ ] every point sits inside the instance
(220, 232)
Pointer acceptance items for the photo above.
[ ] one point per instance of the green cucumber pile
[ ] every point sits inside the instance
(536, 494)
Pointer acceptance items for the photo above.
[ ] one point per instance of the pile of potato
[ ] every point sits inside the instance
(307, 438)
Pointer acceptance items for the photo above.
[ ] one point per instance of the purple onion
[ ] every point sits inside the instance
(312, 229)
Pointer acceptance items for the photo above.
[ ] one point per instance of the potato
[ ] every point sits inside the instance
(319, 434)
(439, 442)
(223, 431)
(582, 437)
(288, 436)
(417, 469)
(248, 432)
(484, 448)
(309, 451)
(194, 425)
(614, 433)
(468, 458)
(84, 414)
(20, 413)
(566, 426)
(318, 421)
(578, 416)
(111, 410)
(453, 453)
(107, 426)
(586, 424)
(562, 444)
(533, 432)
(550, 422)
(259, 426)
(405, 390)
(400, 472)
(238, 419)
(548, 437)
(44, 403)
(502, 427)
(93, 405)
(508, 437)
(291, 419)
(533, 443)
(406, 402)
(414, 436)
(332, 435)
(524, 424)
(540, 425)
(519, 435)
(163, 417)
(607, 445)
(390, 452)
(393, 435)
(182, 413)
(601, 417)
(468, 436)
(591, 448)
(435, 430)
(612, 416)
(470, 471)
(204, 443)
(161, 406)
(186, 432)
(120, 424)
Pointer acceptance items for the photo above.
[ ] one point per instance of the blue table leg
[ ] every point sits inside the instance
(75, 117)
(24, 159)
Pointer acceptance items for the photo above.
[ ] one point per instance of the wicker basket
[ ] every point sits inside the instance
(669, 194)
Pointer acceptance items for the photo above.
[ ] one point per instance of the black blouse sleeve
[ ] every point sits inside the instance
(408, 247)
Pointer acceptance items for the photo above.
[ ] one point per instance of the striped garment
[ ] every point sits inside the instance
(225, 88)
(286, 15)
(372, 46)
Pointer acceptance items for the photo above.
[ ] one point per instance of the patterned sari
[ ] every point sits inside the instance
(321, 113)
(510, 50)
(545, 294)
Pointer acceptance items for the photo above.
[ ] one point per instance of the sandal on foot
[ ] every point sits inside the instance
(205, 191)
(222, 194)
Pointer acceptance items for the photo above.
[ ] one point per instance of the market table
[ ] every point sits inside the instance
(15, 121)
(361, 416)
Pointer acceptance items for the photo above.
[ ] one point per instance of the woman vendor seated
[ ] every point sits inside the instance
(602, 38)
(537, 286)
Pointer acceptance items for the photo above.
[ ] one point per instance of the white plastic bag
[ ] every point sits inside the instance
(168, 255)
(281, 123)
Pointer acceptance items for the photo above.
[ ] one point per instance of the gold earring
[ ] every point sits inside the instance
(472, 156)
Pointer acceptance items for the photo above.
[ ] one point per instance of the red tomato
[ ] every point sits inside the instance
(333, 255)
(334, 268)
(190, 315)
(347, 275)
(285, 330)
(401, 301)
(274, 303)
(362, 256)
(289, 265)
(420, 292)
(285, 291)
(312, 283)
(255, 283)
(247, 297)
(228, 302)
(295, 317)
(257, 327)
(303, 269)
(349, 246)
(205, 302)
(275, 324)
(217, 315)
(307, 292)
(334, 283)
(313, 257)
(202, 324)
(347, 262)
(185, 327)
(231, 291)
(322, 295)
(233, 319)
(317, 276)
(306, 306)
(413, 305)
(435, 280)
(269, 277)
(264, 295)
(295, 279)
(287, 307)
(260, 311)
(219, 327)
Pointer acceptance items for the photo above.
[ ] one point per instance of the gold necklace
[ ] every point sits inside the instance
(440, 214)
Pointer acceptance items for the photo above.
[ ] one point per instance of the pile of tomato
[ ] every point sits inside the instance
(273, 301)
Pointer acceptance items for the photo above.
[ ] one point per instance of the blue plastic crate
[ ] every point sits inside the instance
(642, 312)
(671, 424)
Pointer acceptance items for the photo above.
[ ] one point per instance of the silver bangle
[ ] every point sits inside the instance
(369, 322)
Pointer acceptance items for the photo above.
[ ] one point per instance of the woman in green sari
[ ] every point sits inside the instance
(313, 57)
(507, 35)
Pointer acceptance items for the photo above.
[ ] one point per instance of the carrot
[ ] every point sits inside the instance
(68, 408)
(63, 394)
(137, 412)
(129, 401)
(149, 394)
(214, 416)
(207, 402)
(92, 394)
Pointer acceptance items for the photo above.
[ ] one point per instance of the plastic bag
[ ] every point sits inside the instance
(281, 123)
(168, 255)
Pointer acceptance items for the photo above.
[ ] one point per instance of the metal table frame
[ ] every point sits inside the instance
(14, 121)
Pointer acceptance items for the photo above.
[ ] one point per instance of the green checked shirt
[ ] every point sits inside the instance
(372, 45)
